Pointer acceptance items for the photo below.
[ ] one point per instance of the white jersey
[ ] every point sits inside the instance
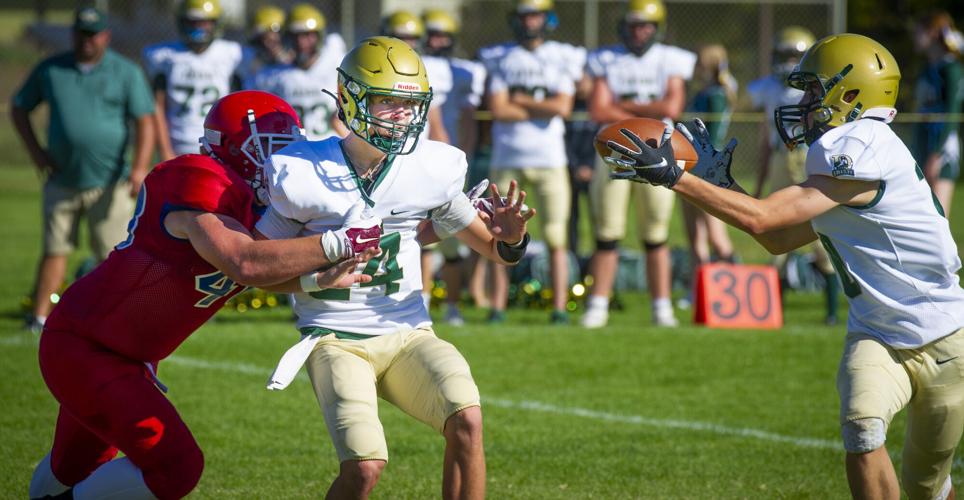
(551, 69)
(457, 86)
(769, 93)
(312, 186)
(303, 88)
(192, 84)
(641, 79)
(895, 256)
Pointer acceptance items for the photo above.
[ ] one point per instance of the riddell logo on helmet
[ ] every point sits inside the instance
(414, 87)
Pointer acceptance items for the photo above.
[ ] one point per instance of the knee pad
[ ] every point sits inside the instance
(863, 435)
(177, 475)
(653, 246)
(606, 244)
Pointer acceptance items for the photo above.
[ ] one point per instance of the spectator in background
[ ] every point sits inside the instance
(93, 94)
(265, 47)
(640, 77)
(531, 88)
(190, 75)
(716, 97)
(782, 167)
(313, 71)
(457, 86)
(937, 145)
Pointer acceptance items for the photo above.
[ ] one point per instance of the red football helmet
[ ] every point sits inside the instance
(244, 128)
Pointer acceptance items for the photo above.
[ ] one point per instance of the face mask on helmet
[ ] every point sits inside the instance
(245, 128)
(805, 122)
(390, 136)
(525, 31)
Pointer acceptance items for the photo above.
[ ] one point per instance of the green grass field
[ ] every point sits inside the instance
(627, 412)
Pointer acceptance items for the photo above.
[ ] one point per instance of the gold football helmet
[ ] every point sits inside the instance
(383, 66)
(844, 77)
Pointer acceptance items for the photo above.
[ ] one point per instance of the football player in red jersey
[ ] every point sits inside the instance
(189, 249)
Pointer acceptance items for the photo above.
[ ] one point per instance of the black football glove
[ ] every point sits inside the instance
(649, 165)
(713, 165)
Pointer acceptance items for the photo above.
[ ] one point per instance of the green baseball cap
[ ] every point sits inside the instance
(91, 20)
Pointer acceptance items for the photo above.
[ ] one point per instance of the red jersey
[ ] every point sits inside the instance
(154, 290)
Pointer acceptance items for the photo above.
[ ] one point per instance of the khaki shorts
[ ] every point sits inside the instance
(877, 381)
(787, 167)
(548, 189)
(653, 205)
(422, 375)
(108, 210)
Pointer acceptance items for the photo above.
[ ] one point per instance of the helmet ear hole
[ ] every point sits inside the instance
(850, 95)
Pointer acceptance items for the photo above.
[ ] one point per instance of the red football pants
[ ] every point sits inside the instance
(109, 403)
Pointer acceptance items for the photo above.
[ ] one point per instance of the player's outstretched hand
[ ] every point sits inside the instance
(485, 205)
(361, 231)
(656, 166)
(340, 275)
(712, 165)
(509, 214)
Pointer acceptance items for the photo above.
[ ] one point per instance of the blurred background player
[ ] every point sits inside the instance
(939, 89)
(457, 87)
(265, 45)
(93, 95)
(640, 77)
(716, 91)
(302, 83)
(189, 75)
(189, 243)
(780, 166)
(531, 86)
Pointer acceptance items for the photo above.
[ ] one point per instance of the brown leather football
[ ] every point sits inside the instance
(650, 130)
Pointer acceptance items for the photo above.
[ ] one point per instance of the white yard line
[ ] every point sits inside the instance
(527, 405)
(536, 406)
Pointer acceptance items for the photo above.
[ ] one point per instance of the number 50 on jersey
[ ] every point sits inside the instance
(738, 296)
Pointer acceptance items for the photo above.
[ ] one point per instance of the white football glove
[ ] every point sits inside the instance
(484, 205)
(713, 165)
(360, 231)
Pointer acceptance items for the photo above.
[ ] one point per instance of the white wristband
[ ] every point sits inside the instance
(309, 282)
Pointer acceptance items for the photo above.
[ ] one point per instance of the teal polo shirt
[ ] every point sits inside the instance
(89, 115)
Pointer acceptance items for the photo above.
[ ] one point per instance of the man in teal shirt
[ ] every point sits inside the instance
(93, 94)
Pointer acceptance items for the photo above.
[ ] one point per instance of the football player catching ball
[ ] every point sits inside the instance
(869, 204)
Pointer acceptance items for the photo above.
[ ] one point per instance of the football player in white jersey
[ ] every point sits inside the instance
(782, 167)
(530, 92)
(190, 75)
(867, 201)
(640, 77)
(312, 72)
(377, 340)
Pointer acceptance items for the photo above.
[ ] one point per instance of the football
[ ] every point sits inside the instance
(650, 130)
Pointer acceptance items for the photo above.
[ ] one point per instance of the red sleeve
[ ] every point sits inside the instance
(204, 186)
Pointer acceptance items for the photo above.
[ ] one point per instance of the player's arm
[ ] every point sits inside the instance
(503, 109)
(436, 127)
(557, 105)
(143, 149)
(500, 237)
(781, 221)
(669, 106)
(602, 105)
(164, 147)
(227, 245)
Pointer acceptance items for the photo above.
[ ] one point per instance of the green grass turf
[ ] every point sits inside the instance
(630, 411)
